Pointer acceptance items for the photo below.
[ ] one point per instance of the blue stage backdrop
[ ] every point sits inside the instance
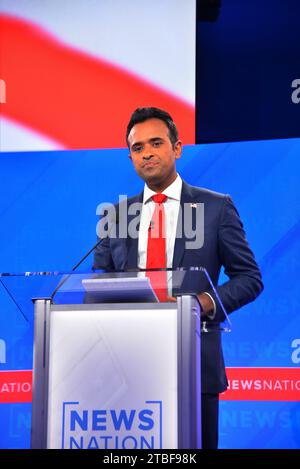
(48, 218)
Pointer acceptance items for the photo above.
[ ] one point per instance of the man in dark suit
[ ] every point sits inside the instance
(154, 146)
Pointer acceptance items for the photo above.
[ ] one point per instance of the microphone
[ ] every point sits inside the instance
(113, 222)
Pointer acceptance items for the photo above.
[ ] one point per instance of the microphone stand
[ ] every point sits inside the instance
(63, 280)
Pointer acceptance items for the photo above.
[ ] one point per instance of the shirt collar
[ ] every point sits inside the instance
(173, 191)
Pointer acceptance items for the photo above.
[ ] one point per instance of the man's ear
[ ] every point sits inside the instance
(178, 149)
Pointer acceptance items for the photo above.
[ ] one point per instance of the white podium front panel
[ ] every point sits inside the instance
(113, 378)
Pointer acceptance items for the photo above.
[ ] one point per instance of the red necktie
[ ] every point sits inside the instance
(156, 248)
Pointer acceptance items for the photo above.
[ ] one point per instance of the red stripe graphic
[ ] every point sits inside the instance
(15, 386)
(245, 384)
(263, 384)
(71, 97)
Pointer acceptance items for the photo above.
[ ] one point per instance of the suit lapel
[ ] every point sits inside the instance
(180, 241)
(132, 243)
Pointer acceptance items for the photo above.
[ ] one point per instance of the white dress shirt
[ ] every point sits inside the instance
(171, 206)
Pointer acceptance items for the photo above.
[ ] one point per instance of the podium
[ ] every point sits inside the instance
(114, 368)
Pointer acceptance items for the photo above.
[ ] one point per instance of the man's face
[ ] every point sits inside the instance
(152, 153)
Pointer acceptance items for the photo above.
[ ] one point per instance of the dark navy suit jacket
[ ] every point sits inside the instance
(224, 245)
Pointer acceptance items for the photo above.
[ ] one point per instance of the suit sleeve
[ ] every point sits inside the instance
(107, 225)
(245, 282)
(102, 256)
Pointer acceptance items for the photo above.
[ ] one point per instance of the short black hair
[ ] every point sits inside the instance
(142, 114)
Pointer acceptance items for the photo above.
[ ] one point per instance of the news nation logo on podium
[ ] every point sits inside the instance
(138, 428)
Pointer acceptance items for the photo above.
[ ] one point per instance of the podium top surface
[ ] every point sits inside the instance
(140, 286)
